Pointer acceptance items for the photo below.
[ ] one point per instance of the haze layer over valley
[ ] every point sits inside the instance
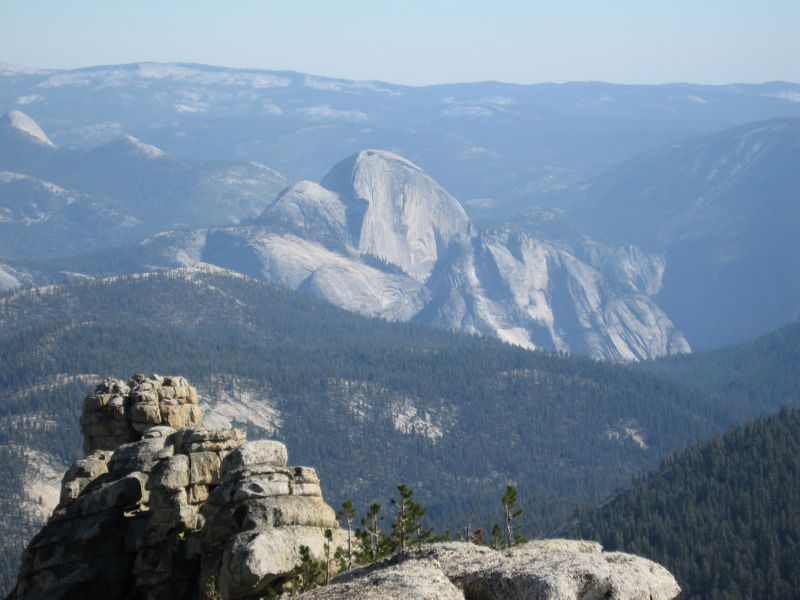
(541, 246)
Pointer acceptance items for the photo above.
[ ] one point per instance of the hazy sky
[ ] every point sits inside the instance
(419, 42)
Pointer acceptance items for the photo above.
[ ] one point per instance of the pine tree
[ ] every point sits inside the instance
(511, 515)
(407, 525)
(373, 529)
(348, 515)
(305, 575)
(327, 547)
(498, 541)
(400, 525)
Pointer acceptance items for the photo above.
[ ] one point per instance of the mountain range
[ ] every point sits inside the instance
(701, 257)
(496, 146)
(377, 236)
(723, 211)
(621, 222)
(380, 237)
(58, 200)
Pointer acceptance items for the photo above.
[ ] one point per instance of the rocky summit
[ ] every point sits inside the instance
(161, 507)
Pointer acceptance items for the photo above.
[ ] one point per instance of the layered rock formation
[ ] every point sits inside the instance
(118, 412)
(160, 506)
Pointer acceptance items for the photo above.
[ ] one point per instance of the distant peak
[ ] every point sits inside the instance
(342, 175)
(384, 155)
(146, 149)
(22, 123)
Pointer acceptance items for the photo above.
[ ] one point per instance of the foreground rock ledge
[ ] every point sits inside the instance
(538, 570)
(160, 505)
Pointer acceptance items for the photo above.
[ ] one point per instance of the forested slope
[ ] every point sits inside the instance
(722, 516)
(480, 406)
(367, 402)
(750, 378)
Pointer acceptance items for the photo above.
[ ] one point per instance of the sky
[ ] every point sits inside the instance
(421, 42)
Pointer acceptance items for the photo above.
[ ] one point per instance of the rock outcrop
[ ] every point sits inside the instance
(381, 237)
(419, 579)
(538, 570)
(119, 412)
(160, 506)
(258, 517)
(163, 508)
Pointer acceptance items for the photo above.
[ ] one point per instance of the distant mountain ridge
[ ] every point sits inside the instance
(380, 237)
(59, 200)
(21, 124)
(501, 149)
(495, 146)
(723, 210)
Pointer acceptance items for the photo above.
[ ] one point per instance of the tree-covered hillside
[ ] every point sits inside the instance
(364, 400)
(723, 516)
(368, 403)
(750, 378)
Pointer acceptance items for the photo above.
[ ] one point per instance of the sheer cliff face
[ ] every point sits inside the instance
(380, 237)
(376, 204)
(587, 299)
(409, 219)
